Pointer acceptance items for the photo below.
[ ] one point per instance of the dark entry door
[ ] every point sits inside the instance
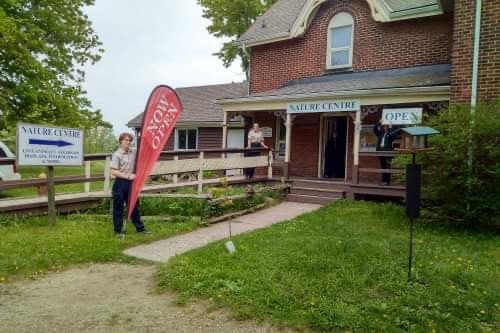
(335, 147)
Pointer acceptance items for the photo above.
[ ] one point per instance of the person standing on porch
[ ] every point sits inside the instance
(122, 168)
(386, 137)
(255, 140)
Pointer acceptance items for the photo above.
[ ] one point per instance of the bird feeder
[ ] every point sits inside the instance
(415, 139)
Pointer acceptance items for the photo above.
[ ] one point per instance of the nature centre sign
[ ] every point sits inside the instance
(324, 106)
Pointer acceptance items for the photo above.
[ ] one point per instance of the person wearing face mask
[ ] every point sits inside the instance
(122, 168)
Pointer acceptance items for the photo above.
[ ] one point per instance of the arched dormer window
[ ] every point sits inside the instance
(340, 41)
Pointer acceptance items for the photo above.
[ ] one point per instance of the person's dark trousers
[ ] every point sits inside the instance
(250, 172)
(121, 190)
(385, 163)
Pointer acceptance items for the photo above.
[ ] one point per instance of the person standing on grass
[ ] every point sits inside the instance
(122, 168)
(385, 137)
(255, 140)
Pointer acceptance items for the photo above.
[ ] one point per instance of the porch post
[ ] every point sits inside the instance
(288, 143)
(357, 139)
(224, 130)
(224, 136)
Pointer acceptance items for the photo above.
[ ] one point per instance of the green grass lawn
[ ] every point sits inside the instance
(30, 247)
(344, 268)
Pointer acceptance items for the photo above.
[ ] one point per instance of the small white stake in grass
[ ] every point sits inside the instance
(230, 247)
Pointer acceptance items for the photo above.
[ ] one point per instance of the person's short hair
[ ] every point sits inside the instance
(125, 135)
(255, 124)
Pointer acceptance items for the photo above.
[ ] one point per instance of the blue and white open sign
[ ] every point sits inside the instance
(45, 145)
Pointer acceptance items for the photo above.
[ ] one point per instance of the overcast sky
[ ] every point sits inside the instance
(147, 43)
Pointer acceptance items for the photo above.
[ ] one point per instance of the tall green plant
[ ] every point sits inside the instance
(230, 19)
(453, 189)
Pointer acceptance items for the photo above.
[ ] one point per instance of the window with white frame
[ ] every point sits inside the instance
(186, 139)
(340, 41)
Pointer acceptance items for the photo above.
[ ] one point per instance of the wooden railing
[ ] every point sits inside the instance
(170, 163)
(360, 170)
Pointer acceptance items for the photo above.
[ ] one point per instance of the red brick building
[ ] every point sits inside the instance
(323, 72)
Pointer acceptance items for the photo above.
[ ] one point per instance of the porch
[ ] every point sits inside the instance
(322, 127)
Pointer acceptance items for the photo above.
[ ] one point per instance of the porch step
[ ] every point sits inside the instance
(313, 199)
(317, 192)
(319, 184)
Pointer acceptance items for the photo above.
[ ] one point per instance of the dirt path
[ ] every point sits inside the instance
(106, 298)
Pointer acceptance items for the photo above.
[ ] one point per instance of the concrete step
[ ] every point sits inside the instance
(310, 199)
(319, 184)
(318, 192)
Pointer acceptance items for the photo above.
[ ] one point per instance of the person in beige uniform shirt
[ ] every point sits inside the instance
(122, 168)
(255, 140)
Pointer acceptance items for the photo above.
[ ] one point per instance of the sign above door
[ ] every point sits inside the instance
(324, 106)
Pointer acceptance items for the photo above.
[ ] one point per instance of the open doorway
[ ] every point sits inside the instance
(334, 147)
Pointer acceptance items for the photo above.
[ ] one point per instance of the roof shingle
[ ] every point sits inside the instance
(278, 21)
(420, 76)
(199, 103)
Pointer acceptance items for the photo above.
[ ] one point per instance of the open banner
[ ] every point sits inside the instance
(160, 116)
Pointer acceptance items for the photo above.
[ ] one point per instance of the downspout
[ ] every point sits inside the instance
(475, 75)
(475, 65)
(473, 102)
(245, 51)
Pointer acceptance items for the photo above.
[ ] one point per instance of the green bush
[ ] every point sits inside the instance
(452, 189)
(196, 207)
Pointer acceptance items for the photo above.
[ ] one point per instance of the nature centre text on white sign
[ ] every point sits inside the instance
(324, 106)
(49, 146)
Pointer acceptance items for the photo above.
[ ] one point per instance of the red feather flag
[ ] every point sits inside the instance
(160, 116)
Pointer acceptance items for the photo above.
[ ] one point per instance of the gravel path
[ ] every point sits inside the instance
(163, 250)
(106, 298)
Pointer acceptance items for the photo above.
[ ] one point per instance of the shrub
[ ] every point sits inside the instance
(453, 189)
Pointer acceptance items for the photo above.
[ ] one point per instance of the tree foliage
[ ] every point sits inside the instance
(231, 19)
(454, 189)
(44, 45)
(100, 140)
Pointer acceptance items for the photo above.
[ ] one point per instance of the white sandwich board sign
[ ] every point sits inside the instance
(50, 146)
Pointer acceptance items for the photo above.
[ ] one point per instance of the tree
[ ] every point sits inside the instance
(231, 18)
(100, 140)
(44, 45)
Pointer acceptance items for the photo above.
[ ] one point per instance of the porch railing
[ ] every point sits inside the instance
(358, 170)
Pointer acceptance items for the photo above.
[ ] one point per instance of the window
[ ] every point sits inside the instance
(280, 146)
(368, 140)
(340, 41)
(186, 139)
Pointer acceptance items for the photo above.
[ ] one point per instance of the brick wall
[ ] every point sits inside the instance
(462, 54)
(376, 46)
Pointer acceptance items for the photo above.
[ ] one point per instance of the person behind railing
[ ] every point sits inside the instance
(386, 136)
(122, 167)
(255, 140)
